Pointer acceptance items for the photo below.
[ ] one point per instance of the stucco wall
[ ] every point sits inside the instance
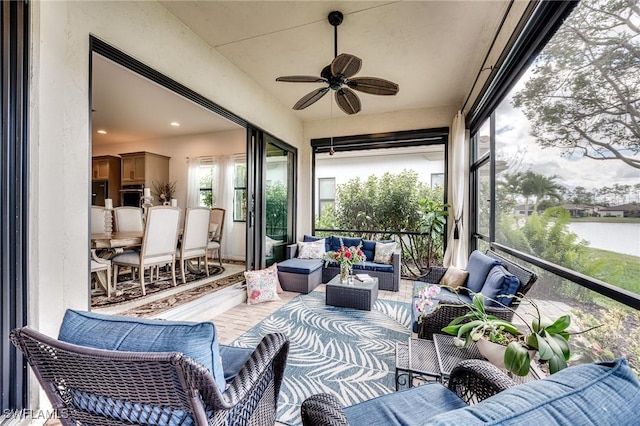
(59, 133)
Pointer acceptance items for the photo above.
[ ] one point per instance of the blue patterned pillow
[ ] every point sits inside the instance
(500, 282)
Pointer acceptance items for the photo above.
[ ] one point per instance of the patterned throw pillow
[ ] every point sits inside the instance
(311, 250)
(384, 252)
(274, 268)
(261, 286)
(454, 277)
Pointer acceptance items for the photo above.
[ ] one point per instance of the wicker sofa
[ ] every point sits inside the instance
(452, 304)
(596, 394)
(110, 370)
(303, 275)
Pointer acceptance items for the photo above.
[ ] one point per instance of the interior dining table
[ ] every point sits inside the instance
(116, 240)
(108, 245)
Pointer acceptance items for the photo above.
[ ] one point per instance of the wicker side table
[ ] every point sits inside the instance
(359, 295)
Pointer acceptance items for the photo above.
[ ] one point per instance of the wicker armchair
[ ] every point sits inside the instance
(441, 317)
(472, 380)
(102, 387)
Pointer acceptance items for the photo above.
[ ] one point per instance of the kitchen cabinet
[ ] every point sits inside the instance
(107, 168)
(144, 168)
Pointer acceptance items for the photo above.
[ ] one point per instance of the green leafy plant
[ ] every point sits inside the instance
(549, 338)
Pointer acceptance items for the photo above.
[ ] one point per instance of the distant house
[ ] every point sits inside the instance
(522, 210)
(579, 210)
(623, 210)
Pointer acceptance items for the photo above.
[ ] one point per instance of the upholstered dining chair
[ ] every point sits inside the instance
(194, 238)
(98, 220)
(159, 243)
(101, 265)
(128, 219)
(216, 228)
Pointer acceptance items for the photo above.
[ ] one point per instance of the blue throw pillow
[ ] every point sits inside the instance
(112, 332)
(479, 266)
(596, 394)
(369, 249)
(499, 282)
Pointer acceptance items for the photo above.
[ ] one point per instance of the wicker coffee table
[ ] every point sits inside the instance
(359, 295)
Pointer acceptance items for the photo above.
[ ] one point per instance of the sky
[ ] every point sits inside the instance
(513, 139)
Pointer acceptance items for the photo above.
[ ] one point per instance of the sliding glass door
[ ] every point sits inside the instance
(279, 197)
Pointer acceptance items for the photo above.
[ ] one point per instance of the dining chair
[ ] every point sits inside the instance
(98, 220)
(98, 265)
(128, 219)
(216, 228)
(159, 243)
(194, 238)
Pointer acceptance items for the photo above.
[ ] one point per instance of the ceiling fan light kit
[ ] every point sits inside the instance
(338, 77)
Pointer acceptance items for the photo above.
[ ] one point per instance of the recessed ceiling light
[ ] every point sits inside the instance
(102, 132)
(175, 124)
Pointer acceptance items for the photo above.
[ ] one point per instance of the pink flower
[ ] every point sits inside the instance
(255, 294)
(347, 255)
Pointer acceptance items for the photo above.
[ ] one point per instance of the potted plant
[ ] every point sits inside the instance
(550, 339)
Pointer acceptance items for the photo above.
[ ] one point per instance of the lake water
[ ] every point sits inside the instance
(617, 237)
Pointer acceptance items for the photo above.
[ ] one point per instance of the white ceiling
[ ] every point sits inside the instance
(432, 49)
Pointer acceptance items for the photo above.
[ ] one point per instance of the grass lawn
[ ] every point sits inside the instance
(621, 270)
(607, 219)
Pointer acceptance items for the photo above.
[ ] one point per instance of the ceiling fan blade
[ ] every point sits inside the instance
(373, 86)
(310, 98)
(348, 101)
(301, 79)
(346, 65)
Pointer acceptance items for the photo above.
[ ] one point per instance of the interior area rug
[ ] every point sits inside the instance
(129, 289)
(346, 352)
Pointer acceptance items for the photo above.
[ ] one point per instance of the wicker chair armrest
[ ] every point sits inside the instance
(434, 275)
(442, 316)
(291, 251)
(270, 354)
(474, 380)
(322, 409)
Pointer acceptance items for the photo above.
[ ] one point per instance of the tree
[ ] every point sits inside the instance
(584, 92)
(540, 187)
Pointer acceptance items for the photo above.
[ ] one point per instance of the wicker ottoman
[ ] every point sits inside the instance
(359, 295)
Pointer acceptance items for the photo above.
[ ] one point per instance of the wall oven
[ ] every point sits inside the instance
(130, 195)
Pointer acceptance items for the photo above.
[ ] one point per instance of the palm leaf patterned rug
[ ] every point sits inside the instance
(346, 352)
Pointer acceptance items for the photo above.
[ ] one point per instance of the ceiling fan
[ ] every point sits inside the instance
(339, 77)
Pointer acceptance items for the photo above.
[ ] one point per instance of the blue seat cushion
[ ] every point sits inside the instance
(478, 267)
(120, 333)
(300, 266)
(371, 266)
(405, 408)
(233, 359)
(499, 282)
(596, 394)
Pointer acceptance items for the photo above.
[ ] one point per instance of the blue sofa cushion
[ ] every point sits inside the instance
(300, 266)
(371, 266)
(596, 394)
(233, 359)
(347, 241)
(369, 249)
(112, 332)
(408, 407)
(499, 282)
(479, 266)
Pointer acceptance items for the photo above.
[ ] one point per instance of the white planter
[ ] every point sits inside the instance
(494, 352)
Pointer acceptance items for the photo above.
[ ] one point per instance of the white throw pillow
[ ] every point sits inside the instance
(311, 250)
(261, 285)
(384, 252)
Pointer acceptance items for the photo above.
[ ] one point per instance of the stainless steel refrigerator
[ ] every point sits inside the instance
(99, 191)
